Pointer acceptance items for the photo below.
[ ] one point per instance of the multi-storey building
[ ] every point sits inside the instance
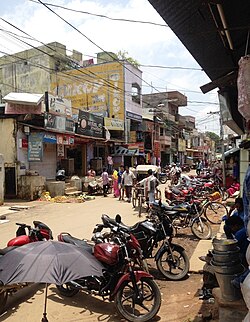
(89, 111)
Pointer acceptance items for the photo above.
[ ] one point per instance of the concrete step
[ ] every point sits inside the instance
(73, 193)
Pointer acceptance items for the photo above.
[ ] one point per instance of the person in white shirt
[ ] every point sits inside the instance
(128, 179)
(150, 183)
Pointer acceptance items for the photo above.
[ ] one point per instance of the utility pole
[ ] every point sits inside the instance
(222, 146)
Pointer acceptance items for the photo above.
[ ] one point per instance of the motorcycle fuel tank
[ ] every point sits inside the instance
(107, 253)
(19, 241)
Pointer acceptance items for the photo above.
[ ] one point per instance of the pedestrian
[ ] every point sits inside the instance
(150, 184)
(116, 190)
(120, 185)
(105, 182)
(110, 164)
(199, 168)
(128, 179)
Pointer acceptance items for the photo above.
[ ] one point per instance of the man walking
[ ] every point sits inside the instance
(128, 178)
(105, 182)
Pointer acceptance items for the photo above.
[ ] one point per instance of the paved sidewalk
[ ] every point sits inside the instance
(196, 265)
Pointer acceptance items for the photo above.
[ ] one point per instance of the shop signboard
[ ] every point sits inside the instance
(59, 123)
(90, 125)
(49, 138)
(59, 105)
(157, 149)
(35, 147)
(113, 124)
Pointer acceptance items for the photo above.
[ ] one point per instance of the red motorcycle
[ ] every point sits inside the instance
(135, 293)
(26, 234)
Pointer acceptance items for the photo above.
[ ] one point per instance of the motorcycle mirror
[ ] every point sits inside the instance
(118, 218)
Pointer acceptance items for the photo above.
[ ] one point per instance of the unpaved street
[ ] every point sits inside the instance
(180, 302)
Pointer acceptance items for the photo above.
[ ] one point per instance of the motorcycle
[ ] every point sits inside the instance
(184, 215)
(135, 293)
(25, 234)
(171, 259)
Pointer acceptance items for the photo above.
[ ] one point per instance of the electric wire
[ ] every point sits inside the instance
(103, 16)
(142, 79)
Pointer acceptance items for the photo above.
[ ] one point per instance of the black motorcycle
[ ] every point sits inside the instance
(183, 215)
(171, 259)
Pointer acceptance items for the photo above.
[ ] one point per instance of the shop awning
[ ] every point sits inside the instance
(231, 151)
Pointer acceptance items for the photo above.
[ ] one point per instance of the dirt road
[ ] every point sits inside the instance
(180, 301)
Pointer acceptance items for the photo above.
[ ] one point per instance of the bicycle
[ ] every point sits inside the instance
(139, 198)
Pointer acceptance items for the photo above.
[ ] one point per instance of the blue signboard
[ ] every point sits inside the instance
(35, 147)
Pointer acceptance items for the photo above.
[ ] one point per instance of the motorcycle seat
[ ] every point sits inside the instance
(67, 238)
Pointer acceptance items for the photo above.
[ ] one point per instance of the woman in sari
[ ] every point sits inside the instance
(115, 184)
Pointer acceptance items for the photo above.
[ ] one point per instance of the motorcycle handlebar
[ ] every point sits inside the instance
(23, 225)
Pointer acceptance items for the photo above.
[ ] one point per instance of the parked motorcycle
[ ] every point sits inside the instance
(135, 293)
(184, 215)
(25, 234)
(171, 259)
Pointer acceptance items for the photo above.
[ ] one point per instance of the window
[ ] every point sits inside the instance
(136, 93)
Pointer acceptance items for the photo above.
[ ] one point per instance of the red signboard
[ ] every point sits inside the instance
(157, 149)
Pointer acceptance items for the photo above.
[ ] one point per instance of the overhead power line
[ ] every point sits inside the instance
(102, 16)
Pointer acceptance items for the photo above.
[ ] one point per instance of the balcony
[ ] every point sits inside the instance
(166, 140)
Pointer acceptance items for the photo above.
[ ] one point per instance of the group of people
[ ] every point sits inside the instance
(124, 180)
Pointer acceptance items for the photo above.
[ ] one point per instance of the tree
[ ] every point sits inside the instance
(213, 136)
(123, 55)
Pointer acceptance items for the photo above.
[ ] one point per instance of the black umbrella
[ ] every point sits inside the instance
(47, 262)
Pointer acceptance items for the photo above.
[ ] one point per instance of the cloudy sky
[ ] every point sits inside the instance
(165, 62)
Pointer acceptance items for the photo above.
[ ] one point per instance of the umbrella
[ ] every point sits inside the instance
(47, 262)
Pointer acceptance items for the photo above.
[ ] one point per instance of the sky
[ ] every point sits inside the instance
(151, 44)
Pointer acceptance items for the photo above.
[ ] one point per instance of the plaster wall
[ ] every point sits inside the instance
(7, 141)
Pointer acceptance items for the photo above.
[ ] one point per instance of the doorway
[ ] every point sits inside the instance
(10, 182)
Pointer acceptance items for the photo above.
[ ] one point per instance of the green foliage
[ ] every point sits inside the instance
(213, 136)
(123, 55)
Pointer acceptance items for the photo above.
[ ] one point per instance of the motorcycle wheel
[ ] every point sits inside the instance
(175, 265)
(140, 201)
(140, 310)
(163, 179)
(214, 211)
(134, 198)
(3, 300)
(201, 229)
(66, 290)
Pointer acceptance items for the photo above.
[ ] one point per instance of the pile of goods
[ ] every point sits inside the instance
(65, 199)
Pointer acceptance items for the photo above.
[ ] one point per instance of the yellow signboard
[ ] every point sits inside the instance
(96, 89)
(114, 124)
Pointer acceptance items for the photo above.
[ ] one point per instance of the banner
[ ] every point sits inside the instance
(90, 125)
